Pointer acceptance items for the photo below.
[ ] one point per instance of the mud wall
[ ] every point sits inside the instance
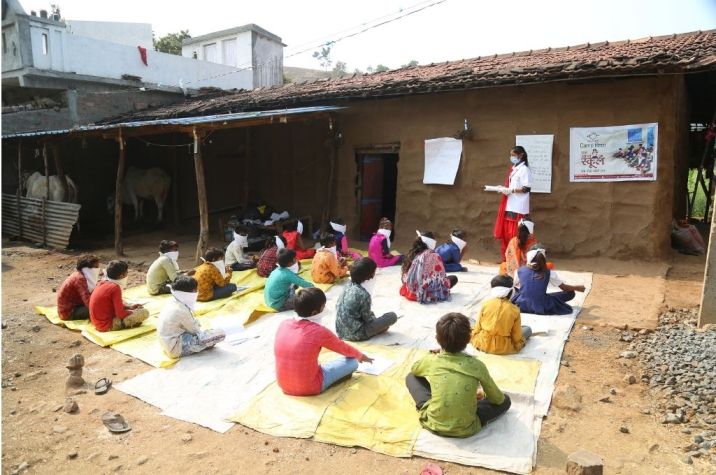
(627, 219)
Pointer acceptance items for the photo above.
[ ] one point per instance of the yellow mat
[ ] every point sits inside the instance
(146, 348)
(375, 412)
(51, 314)
(112, 337)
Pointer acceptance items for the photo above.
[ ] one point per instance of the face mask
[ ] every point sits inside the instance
(91, 276)
(173, 255)
(430, 242)
(500, 292)
(187, 298)
(514, 160)
(386, 233)
(221, 266)
(333, 250)
(294, 268)
(279, 242)
(458, 242)
(242, 240)
(369, 285)
(341, 228)
(532, 254)
(121, 282)
(317, 318)
(299, 227)
(529, 225)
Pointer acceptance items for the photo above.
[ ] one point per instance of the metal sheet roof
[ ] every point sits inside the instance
(206, 119)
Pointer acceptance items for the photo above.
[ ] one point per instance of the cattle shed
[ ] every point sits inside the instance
(354, 147)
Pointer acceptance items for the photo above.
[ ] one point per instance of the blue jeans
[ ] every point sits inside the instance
(225, 291)
(337, 369)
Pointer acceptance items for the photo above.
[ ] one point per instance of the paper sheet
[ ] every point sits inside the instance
(378, 366)
(539, 152)
(497, 188)
(442, 159)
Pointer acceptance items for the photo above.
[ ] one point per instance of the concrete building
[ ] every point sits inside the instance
(59, 74)
(247, 47)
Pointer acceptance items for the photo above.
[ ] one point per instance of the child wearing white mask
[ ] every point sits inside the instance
(108, 312)
(235, 257)
(267, 260)
(379, 246)
(355, 321)
(164, 269)
(74, 294)
(451, 252)
(214, 277)
(280, 290)
(423, 272)
(179, 332)
(328, 266)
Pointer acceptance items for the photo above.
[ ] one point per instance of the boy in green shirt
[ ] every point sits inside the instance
(280, 290)
(444, 384)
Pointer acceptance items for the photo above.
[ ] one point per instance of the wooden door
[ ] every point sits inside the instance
(371, 203)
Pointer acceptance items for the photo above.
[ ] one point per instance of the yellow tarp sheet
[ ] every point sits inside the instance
(375, 412)
(147, 349)
(112, 337)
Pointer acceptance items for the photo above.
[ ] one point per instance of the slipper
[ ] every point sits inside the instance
(115, 423)
(102, 386)
(431, 469)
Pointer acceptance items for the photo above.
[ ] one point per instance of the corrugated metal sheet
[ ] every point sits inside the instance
(60, 218)
(207, 119)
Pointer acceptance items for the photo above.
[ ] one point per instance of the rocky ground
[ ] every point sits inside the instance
(679, 366)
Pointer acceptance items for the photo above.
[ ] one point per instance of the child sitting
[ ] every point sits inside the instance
(299, 341)
(452, 251)
(267, 260)
(179, 332)
(444, 384)
(354, 319)
(379, 246)
(423, 273)
(214, 277)
(499, 329)
(339, 229)
(292, 231)
(164, 269)
(235, 257)
(74, 295)
(280, 290)
(533, 280)
(327, 266)
(518, 247)
(106, 308)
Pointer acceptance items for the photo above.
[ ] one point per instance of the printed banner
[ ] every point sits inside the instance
(539, 156)
(619, 153)
(442, 159)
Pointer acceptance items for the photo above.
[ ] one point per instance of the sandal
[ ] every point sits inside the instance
(102, 386)
(115, 423)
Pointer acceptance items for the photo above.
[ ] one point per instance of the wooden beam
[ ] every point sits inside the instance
(61, 172)
(19, 186)
(175, 184)
(203, 242)
(707, 309)
(247, 169)
(333, 156)
(47, 193)
(119, 196)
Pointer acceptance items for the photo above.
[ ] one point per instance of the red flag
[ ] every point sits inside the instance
(143, 55)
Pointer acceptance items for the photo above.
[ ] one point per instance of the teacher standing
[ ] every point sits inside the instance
(515, 203)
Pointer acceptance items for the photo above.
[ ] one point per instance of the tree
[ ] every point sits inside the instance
(324, 56)
(381, 68)
(410, 64)
(171, 42)
(340, 69)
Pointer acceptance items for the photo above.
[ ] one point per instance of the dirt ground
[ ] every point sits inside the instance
(34, 355)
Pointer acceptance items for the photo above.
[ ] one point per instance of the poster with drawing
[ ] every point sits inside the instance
(618, 153)
(539, 156)
(442, 159)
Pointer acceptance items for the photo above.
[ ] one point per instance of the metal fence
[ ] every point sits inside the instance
(44, 221)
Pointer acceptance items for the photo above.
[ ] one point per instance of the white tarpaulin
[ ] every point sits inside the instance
(618, 153)
(442, 158)
(539, 153)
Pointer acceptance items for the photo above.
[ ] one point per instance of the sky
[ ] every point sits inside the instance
(451, 30)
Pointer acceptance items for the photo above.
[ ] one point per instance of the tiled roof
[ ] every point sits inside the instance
(686, 52)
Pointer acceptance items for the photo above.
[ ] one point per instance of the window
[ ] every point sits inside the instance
(229, 52)
(45, 44)
(211, 53)
(194, 55)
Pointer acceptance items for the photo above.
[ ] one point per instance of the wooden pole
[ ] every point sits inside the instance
(247, 169)
(19, 186)
(47, 193)
(707, 310)
(61, 173)
(175, 184)
(333, 143)
(203, 243)
(118, 197)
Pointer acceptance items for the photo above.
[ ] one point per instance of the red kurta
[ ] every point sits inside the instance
(106, 304)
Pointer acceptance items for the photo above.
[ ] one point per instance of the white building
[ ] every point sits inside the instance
(248, 47)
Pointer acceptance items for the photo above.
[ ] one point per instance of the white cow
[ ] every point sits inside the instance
(36, 187)
(144, 184)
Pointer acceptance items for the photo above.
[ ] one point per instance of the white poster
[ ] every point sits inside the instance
(618, 153)
(442, 158)
(539, 156)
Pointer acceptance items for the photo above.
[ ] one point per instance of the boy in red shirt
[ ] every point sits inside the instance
(107, 310)
(74, 294)
(299, 341)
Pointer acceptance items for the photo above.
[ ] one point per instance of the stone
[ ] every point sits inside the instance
(613, 391)
(74, 344)
(72, 455)
(604, 399)
(646, 411)
(698, 439)
(186, 437)
(583, 462)
(59, 429)
(628, 354)
(113, 457)
(36, 328)
(275, 450)
(624, 429)
(630, 379)
(142, 460)
(671, 418)
(70, 406)
(587, 328)
(688, 460)
(568, 398)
